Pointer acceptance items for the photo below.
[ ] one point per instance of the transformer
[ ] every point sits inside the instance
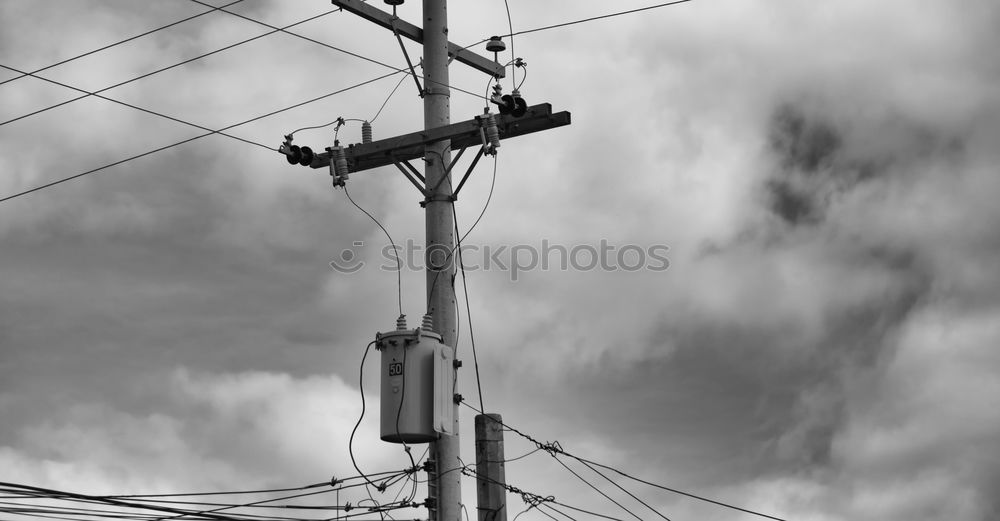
(413, 376)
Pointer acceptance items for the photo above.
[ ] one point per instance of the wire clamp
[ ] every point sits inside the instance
(437, 198)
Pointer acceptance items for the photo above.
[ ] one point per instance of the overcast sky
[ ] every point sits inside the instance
(822, 347)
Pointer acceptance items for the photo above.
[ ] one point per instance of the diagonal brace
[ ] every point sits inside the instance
(409, 62)
(447, 172)
(410, 172)
(479, 156)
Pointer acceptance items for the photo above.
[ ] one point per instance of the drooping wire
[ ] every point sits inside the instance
(120, 42)
(468, 309)
(556, 448)
(157, 71)
(131, 106)
(350, 441)
(395, 249)
(188, 140)
(387, 98)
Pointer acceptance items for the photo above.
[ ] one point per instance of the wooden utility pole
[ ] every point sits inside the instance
(434, 144)
(440, 242)
(490, 476)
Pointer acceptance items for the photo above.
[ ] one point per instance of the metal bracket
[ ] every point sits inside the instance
(461, 183)
(410, 172)
(413, 72)
(412, 32)
(447, 172)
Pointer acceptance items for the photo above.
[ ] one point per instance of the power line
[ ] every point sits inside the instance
(131, 106)
(148, 74)
(120, 42)
(465, 284)
(338, 49)
(511, 34)
(633, 496)
(556, 448)
(599, 491)
(387, 98)
(188, 140)
(574, 22)
(395, 250)
(513, 56)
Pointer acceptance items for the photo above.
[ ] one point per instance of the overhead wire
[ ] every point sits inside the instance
(510, 24)
(126, 40)
(136, 107)
(338, 49)
(395, 249)
(387, 98)
(188, 140)
(623, 489)
(600, 17)
(512, 33)
(556, 448)
(594, 487)
(468, 307)
(178, 64)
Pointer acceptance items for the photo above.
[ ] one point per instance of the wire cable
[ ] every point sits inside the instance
(619, 487)
(489, 198)
(592, 486)
(338, 49)
(511, 34)
(350, 441)
(387, 98)
(555, 447)
(131, 106)
(157, 71)
(601, 17)
(188, 140)
(395, 249)
(120, 42)
(513, 56)
(468, 309)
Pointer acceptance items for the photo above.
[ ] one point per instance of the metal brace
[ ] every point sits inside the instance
(461, 183)
(413, 72)
(410, 172)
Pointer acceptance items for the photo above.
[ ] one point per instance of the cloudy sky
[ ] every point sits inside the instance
(822, 347)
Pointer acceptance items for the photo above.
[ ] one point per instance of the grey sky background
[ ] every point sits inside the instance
(822, 347)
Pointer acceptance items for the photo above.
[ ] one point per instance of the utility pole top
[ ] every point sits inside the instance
(416, 34)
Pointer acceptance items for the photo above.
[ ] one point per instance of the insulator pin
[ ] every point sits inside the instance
(366, 132)
(338, 165)
(492, 132)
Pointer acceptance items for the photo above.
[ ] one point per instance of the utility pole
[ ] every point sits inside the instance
(490, 474)
(440, 241)
(434, 145)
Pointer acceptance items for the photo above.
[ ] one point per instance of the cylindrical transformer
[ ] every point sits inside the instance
(407, 399)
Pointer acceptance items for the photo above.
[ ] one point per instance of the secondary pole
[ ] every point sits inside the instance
(490, 478)
(440, 242)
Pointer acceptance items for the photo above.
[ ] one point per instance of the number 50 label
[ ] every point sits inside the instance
(395, 368)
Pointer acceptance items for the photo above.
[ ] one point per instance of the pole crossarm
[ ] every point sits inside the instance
(412, 32)
(365, 156)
